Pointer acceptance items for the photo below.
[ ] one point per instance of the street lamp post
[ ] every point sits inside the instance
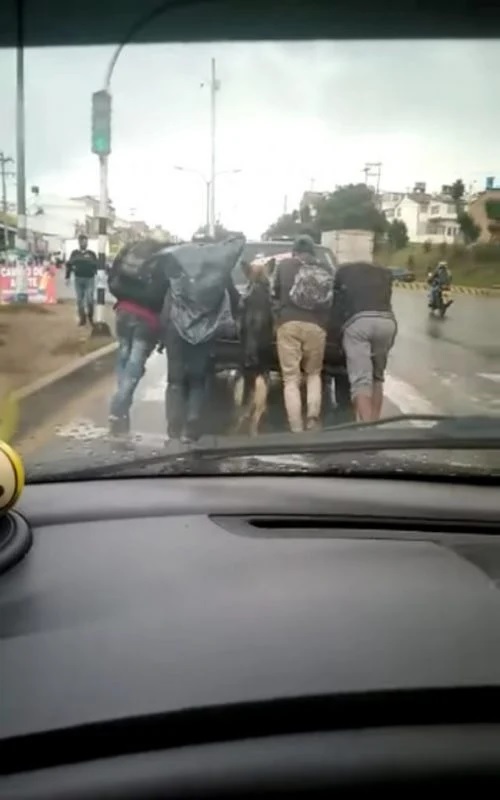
(209, 184)
(214, 88)
(101, 326)
(21, 243)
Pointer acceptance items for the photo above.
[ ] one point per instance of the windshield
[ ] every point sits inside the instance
(149, 305)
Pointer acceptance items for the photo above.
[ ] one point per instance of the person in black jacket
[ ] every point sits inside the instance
(83, 264)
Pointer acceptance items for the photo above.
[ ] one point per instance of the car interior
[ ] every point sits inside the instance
(256, 636)
(248, 636)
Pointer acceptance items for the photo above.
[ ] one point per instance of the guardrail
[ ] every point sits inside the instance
(419, 286)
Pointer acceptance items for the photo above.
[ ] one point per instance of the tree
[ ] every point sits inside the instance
(347, 207)
(397, 234)
(220, 232)
(468, 228)
(350, 207)
(286, 225)
(457, 195)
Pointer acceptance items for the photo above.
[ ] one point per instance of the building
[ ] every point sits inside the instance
(51, 215)
(428, 217)
(484, 209)
(64, 218)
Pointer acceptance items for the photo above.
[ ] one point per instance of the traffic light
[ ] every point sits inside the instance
(101, 123)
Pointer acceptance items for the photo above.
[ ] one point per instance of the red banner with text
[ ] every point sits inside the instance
(37, 282)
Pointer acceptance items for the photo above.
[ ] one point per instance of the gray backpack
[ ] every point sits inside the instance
(312, 287)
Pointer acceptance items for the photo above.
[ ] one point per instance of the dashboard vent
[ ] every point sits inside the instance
(351, 526)
(371, 523)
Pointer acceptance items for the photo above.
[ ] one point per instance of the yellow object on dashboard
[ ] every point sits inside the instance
(12, 476)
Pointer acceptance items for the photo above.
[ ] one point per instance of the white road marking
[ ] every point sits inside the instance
(490, 376)
(154, 393)
(407, 399)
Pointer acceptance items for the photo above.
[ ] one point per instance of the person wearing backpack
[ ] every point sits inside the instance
(139, 282)
(201, 301)
(303, 291)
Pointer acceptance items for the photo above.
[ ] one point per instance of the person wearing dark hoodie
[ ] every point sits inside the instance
(303, 291)
(201, 303)
(139, 280)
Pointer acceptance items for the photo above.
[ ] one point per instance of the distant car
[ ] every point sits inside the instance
(402, 274)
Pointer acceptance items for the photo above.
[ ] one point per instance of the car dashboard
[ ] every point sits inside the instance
(252, 636)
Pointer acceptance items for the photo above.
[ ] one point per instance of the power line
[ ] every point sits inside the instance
(4, 161)
(373, 169)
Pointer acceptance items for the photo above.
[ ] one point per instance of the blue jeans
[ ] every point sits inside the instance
(135, 344)
(85, 292)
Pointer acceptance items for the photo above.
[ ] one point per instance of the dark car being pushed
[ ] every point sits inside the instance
(336, 405)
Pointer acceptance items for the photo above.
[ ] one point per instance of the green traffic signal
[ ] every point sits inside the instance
(101, 123)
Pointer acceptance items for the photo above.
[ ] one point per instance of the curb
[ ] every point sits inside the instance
(418, 286)
(39, 399)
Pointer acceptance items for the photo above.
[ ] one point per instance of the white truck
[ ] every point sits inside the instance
(349, 245)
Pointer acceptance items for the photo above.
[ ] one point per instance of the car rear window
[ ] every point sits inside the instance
(255, 250)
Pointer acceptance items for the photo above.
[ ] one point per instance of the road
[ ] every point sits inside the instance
(437, 366)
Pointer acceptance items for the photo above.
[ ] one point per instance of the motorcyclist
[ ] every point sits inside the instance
(438, 279)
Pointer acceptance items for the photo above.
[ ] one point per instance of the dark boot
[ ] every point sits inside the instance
(119, 426)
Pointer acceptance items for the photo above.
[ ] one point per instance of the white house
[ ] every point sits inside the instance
(428, 218)
(55, 216)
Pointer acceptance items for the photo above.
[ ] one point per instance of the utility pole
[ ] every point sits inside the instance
(21, 243)
(373, 169)
(208, 212)
(4, 160)
(101, 146)
(214, 88)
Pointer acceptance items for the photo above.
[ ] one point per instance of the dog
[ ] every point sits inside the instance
(256, 325)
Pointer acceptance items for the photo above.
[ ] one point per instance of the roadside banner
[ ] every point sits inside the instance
(35, 283)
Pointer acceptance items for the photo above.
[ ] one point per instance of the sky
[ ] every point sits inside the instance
(290, 117)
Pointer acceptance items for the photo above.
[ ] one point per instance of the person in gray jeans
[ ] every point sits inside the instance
(362, 311)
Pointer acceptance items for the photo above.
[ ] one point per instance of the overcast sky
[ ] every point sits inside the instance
(287, 114)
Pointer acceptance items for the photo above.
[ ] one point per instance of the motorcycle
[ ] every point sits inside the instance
(439, 299)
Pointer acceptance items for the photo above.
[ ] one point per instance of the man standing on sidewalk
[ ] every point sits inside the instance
(83, 264)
